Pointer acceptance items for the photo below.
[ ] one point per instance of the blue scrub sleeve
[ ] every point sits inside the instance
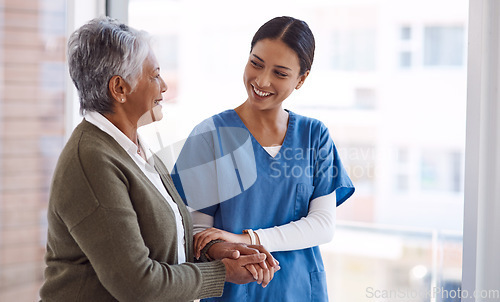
(329, 173)
(194, 171)
(178, 184)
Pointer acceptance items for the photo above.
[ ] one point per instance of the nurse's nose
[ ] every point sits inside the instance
(263, 79)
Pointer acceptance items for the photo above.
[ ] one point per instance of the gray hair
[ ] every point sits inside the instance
(99, 50)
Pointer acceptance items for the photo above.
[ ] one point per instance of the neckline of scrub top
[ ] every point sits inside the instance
(288, 134)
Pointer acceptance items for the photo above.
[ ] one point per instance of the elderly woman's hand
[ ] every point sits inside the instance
(204, 237)
(233, 250)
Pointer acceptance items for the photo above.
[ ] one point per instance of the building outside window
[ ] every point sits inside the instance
(388, 80)
(32, 124)
(444, 46)
(382, 83)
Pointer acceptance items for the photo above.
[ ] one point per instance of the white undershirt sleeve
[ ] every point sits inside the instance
(316, 228)
(201, 221)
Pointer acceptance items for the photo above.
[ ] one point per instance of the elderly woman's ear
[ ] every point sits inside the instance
(118, 88)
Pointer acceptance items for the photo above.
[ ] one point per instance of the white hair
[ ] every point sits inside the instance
(99, 50)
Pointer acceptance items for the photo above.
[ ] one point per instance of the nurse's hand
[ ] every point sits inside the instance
(204, 237)
(264, 276)
(265, 273)
(236, 271)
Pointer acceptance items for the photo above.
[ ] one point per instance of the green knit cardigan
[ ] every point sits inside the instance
(112, 235)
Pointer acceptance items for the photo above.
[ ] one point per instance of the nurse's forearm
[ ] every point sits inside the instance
(201, 221)
(316, 228)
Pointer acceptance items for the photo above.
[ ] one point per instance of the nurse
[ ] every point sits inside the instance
(275, 176)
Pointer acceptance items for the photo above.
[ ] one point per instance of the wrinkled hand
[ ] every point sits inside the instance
(262, 272)
(204, 237)
(231, 250)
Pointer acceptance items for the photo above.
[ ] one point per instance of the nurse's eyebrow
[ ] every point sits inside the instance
(278, 66)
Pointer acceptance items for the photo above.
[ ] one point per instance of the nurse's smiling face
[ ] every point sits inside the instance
(271, 74)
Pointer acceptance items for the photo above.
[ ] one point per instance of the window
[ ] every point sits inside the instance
(423, 44)
(357, 67)
(407, 47)
(369, 85)
(168, 51)
(352, 50)
(405, 59)
(32, 124)
(406, 33)
(441, 170)
(444, 46)
(402, 171)
(365, 98)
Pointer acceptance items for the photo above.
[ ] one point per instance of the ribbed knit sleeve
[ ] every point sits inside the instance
(213, 274)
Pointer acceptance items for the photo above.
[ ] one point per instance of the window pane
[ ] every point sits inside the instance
(405, 33)
(353, 49)
(32, 90)
(365, 98)
(405, 59)
(400, 131)
(444, 46)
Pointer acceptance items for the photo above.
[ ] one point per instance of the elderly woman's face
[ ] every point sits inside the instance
(148, 92)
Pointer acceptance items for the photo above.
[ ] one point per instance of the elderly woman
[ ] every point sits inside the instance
(117, 229)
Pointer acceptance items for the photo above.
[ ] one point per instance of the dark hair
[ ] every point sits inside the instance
(293, 32)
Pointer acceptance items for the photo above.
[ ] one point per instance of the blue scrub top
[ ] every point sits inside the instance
(249, 189)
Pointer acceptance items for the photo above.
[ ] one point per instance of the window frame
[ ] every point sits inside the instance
(480, 249)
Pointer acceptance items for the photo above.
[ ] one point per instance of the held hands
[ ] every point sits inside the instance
(236, 271)
(204, 237)
(264, 273)
(245, 263)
